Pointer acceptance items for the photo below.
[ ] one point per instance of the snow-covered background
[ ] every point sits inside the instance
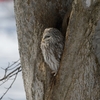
(9, 49)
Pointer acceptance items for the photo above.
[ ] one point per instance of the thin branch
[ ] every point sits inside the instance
(9, 87)
(15, 66)
(10, 71)
(13, 63)
(10, 67)
(4, 81)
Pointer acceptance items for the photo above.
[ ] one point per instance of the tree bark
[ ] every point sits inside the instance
(78, 77)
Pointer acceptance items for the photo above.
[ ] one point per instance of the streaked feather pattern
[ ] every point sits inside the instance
(52, 45)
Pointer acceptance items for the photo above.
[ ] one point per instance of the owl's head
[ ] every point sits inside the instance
(51, 35)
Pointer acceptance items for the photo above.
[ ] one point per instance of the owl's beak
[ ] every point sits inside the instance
(43, 41)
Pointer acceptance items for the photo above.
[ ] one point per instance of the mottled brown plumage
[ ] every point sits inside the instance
(52, 45)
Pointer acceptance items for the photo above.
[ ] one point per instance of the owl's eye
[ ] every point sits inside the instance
(46, 37)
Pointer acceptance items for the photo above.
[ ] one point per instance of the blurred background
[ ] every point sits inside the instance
(9, 50)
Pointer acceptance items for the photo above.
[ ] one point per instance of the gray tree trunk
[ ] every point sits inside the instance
(79, 75)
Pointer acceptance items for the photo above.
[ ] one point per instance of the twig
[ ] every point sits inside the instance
(11, 73)
(14, 69)
(9, 87)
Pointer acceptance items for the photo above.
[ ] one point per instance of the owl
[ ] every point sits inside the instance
(52, 45)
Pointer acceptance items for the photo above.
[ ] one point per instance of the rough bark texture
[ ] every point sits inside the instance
(78, 77)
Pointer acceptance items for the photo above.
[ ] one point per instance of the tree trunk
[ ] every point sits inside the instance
(78, 77)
